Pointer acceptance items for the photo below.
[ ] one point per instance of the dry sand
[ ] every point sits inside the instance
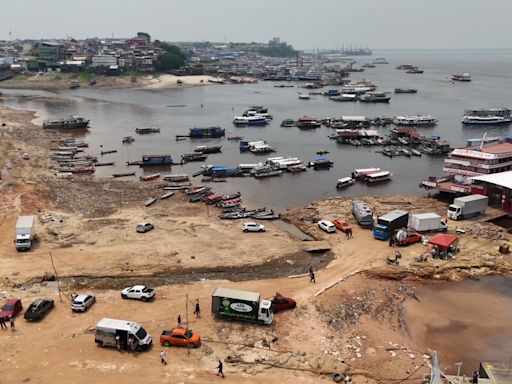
(95, 249)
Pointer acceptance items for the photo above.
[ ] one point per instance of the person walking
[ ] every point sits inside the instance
(163, 357)
(475, 377)
(13, 326)
(337, 236)
(220, 368)
(179, 321)
(197, 310)
(2, 323)
(349, 233)
(311, 275)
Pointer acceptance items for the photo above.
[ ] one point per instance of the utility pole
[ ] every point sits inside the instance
(56, 276)
(186, 319)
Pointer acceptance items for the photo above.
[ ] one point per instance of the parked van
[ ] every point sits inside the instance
(115, 333)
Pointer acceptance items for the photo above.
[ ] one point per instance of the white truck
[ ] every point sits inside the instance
(234, 304)
(117, 333)
(138, 292)
(427, 222)
(467, 206)
(25, 235)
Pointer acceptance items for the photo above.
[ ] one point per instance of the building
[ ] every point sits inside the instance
(463, 164)
(103, 61)
(497, 186)
(50, 51)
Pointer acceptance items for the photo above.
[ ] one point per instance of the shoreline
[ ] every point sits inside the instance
(98, 219)
(60, 81)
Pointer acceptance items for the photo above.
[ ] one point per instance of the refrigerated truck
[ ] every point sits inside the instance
(234, 304)
(390, 222)
(427, 222)
(467, 206)
(25, 234)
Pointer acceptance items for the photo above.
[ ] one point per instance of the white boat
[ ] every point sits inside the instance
(261, 148)
(481, 120)
(247, 167)
(344, 97)
(345, 182)
(250, 120)
(304, 96)
(378, 176)
(461, 76)
(411, 120)
(358, 173)
(380, 60)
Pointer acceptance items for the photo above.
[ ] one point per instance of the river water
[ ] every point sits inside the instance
(465, 322)
(116, 113)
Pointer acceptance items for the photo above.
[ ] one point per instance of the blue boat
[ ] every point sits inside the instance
(207, 132)
(156, 160)
(219, 171)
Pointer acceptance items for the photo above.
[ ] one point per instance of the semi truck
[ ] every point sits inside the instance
(115, 333)
(25, 235)
(389, 223)
(234, 304)
(467, 206)
(428, 222)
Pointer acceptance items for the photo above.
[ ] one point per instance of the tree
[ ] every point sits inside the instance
(278, 50)
(171, 58)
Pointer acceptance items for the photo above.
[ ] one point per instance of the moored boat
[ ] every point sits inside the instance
(150, 201)
(149, 177)
(345, 182)
(378, 177)
(207, 150)
(128, 139)
(264, 174)
(71, 122)
(461, 76)
(320, 163)
(166, 195)
(177, 177)
(490, 116)
(145, 131)
(375, 97)
(406, 90)
(413, 120)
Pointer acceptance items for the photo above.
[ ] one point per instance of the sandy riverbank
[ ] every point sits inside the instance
(55, 81)
(354, 325)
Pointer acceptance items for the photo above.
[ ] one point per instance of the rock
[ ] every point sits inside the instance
(371, 351)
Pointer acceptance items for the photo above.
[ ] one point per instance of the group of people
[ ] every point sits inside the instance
(11, 321)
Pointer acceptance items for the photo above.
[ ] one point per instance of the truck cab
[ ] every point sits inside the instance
(265, 313)
(454, 211)
(380, 232)
(23, 242)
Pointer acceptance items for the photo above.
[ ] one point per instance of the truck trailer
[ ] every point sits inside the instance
(25, 235)
(467, 206)
(234, 304)
(427, 222)
(390, 222)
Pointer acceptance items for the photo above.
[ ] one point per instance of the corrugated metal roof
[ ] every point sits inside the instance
(503, 179)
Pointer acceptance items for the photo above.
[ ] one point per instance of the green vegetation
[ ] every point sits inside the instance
(172, 58)
(57, 78)
(279, 50)
(85, 77)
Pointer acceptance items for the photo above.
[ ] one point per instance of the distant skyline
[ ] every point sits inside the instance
(324, 24)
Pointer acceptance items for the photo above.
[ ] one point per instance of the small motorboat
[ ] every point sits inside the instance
(128, 139)
(344, 182)
(323, 152)
(149, 177)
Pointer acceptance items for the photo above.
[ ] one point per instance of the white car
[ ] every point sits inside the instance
(144, 227)
(138, 292)
(327, 226)
(253, 227)
(82, 302)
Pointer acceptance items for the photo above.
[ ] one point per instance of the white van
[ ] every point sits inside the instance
(327, 226)
(116, 333)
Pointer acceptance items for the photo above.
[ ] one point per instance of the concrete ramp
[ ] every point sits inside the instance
(316, 246)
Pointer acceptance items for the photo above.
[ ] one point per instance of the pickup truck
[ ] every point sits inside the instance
(138, 292)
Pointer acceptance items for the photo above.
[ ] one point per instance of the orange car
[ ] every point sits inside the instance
(180, 337)
(342, 225)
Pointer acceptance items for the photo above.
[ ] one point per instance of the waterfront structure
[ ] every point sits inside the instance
(463, 164)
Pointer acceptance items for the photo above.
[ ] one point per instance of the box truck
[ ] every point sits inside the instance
(25, 235)
(467, 206)
(389, 223)
(234, 304)
(116, 333)
(427, 222)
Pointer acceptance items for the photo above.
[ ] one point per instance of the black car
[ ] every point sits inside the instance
(38, 309)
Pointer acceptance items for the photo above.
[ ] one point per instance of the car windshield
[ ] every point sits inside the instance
(23, 241)
(450, 208)
(188, 333)
(8, 307)
(141, 333)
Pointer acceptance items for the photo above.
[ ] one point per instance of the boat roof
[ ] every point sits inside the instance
(354, 118)
(151, 156)
(378, 174)
(362, 170)
(344, 179)
(307, 118)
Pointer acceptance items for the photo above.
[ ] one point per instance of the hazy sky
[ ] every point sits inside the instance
(303, 23)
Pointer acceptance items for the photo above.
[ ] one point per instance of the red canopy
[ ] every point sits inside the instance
(443, 240)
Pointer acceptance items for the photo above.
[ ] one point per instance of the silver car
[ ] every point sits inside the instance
(82, 302)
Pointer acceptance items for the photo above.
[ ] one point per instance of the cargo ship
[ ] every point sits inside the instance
(71, 122)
